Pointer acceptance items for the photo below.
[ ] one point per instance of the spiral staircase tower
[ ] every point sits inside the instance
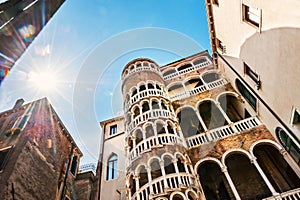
(157, 163)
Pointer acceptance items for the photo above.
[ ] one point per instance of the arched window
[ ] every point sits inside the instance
(288, 144)
(112, 167)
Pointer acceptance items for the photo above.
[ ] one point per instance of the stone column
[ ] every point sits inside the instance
(235, 193)
(174, 161)
(271, 188)
(163, 173)
(137, 187)
(149, 179)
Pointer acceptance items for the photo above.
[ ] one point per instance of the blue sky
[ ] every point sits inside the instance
(85, 47)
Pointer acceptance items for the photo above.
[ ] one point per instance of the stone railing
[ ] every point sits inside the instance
(142, 68)
(198, 90)
(289, 195)
(151, 142)
(150, 114)
(161, 184)
(222, 132)
(187, 70)
(146, 93)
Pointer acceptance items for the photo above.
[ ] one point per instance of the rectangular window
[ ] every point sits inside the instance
(4, 155)
(246, 94)
(253, 75)
(215, 2)
(296, 117)
(113, 129)
(251, 15)
(221, 46)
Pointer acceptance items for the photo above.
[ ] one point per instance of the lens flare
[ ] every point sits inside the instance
(44, 81)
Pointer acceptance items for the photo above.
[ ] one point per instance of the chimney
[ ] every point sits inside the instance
(18, 103)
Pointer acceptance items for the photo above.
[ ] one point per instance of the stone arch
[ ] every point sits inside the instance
(232, 106)
(278, 171)
(210, 76)
(168, 163)
(211, 114)
(145, 105)
(183, 66)
(211, 159)
(213, 180)
(177, 196)
(235, 150)
(191, 194)
(199, 60)
(155, 105)
(180, 162)
(149, 129)
(155, 166)
(244, 173)
(188, 121)
(169, 71)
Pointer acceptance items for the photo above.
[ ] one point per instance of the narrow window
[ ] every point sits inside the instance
(288, 144)
(253, 75)
(112, 167)
(246, 94)
(221, 46)
(296, 117)
(113, 129)
(4, 154)
(74, 165)
(215, 2)
(251, 15)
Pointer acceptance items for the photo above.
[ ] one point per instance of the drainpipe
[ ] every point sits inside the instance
(67, 173)
(101, 162)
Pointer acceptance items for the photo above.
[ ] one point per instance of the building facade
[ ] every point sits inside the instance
(38, 156)
(189, 133)
(225, 127)
(20, 22)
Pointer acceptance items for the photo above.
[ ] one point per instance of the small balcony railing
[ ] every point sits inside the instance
(154, 141)
(161, 184)
(150, 114)
(145, 94)
(198, 90)
(222, 132)
(142, 68)
(289, 195)
(187, 70)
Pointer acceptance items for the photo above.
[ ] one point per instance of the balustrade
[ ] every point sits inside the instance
(222, 132)
(187, 70)
(154, 141)
(159, 186)
(150, 114)
(289, 195)
(145, 94)
(198, 90)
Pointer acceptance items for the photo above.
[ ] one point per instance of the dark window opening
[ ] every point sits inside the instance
(155, 105)
(189, 123)
(185, 66)
(145, 107)
(246, 94)
(155, 170)
(113, 130)
(169, 166)
(169, 72)
(23, 121)
(143, 176)
(150, 86)
(160, 129)
(74, 165)
(134, 92)
(4, 155)
(142, 88)
(288, 144)
(296, 117)
(211, 77)
(248, 71)
(200, 61)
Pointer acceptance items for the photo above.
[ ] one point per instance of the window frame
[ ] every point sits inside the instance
(73, 169)
(288, 144)
(113, 129)
(5, 159)
(247, 94)
(112, 167)
(247, 14)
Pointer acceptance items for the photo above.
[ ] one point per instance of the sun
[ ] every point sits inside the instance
(45, 81)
